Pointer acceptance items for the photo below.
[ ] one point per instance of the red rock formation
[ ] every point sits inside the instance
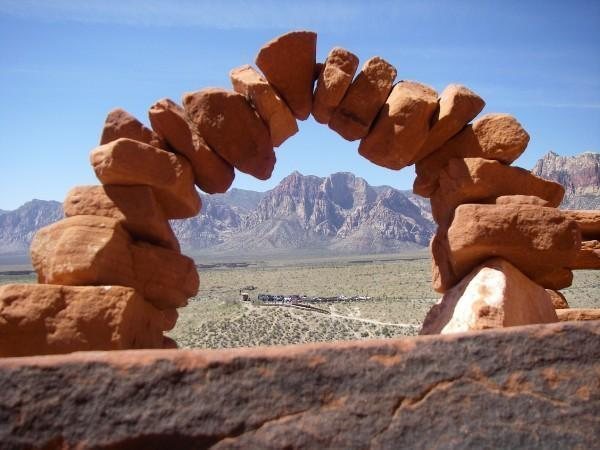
(288, 63)
(363, 100)
(402, 126)
(233, 129)
(580, 314)
(41, 319)
(212, 173)
(120, 124)
(558, 299)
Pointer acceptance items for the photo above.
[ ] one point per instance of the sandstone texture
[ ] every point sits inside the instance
(521, 387)
(38, 319)
(288, 63)
(588, 256)
(458, 105)
(212, 173)
(135, 207)
(402, 126)
(588, 221)
(494, 295)
(364, 98)
(493, 136)
(271, 108)
(233, 129)
(333, 81)
(94, 250)
(558, 299)
(579, 314)
(120, 124)
(472, 180)
(520, 200)
(129, 162)
(538, 241)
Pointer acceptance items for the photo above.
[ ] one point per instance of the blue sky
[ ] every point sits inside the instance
(64, 64)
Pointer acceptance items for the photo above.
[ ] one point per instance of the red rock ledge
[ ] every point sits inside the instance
(523, 387)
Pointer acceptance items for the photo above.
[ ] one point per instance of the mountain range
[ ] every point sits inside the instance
(338, 214)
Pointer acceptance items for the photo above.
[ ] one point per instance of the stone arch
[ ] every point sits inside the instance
(111, 273)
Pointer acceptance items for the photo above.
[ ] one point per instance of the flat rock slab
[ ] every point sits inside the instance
(524, 387)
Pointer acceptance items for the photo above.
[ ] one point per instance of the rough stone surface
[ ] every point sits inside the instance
(364, 98)
(120, 124)
(520, 200)
(271, 108)
(473, 180)
(521, 387)
(588, 221)
(288, 63)
(579, 314)
(494, 295)
(588, 257)
(233, 129)
(39, 319)
(493, 136)
(135, 207)
(333, 82)
(538, 241)
(129, 162)
(458, 105)
(402, 125)
(93, 250)
(211, 172)
(558, 299)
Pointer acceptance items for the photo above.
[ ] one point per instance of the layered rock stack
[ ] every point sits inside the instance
(112, 275)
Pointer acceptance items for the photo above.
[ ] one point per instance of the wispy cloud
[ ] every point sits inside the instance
(234, 14)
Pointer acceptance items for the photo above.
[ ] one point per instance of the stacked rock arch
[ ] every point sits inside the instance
(112, 275)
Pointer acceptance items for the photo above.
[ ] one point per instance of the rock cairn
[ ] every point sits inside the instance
(111, 272)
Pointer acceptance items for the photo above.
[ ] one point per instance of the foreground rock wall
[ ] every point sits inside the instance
(524, 387)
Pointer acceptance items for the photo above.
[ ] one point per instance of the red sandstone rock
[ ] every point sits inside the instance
(588, 221)
(40, 319)
(588, 256)
(364, 98)
(558, 299)
(120, 124)
(288, 63)
(211, 172)
(129, 162)
(333, 81)
(170, 317)
(271, 108)
(233, 129)
(538, 241)
(401, 128)
(472, 180)
(135, 207)
(458, 105)
(567, 315)
(94, 250)
(519, 200)
(493, 136)
(536, 385)
(494, 295)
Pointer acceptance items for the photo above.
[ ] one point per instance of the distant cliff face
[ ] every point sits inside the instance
(580, 175)
(340, 213)
(18, 227)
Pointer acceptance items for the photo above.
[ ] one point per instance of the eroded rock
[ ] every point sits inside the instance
(558, 299)
(402, 126)
(333, 81)
(288, 63)
(493, 136)
(579, 314)
(588, 256)
(271, 108)
(212, 173)
(129, 162)
(588, 221)
(363, 99)
(41, 319)
(120, 124)
(233, 129)
(135, 207)
(494, 295)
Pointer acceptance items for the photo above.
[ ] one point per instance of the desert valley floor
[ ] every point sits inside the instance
(398, 286)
